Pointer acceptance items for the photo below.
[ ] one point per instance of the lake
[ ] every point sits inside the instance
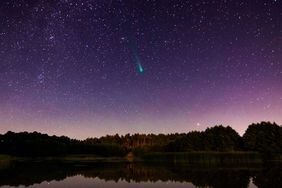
(41, 174)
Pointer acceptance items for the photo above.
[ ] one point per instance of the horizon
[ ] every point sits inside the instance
(82, 68)
(98, 137)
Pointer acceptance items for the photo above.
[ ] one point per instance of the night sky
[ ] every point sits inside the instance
(87, 68)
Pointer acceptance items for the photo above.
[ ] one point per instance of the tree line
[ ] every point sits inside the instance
(264, 137)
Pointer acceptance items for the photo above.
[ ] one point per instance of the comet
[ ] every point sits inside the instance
(139, 65)
(140, 68)
(133, 46)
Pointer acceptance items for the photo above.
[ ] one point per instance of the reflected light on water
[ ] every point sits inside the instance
(80, 181)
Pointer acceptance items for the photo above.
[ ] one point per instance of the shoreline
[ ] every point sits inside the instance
(200, 157)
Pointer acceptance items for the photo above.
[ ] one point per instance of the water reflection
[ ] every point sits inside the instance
(60, 174)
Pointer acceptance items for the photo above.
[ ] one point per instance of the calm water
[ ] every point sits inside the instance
(61, 174)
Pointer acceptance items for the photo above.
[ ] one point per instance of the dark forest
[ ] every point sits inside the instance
(264, 138)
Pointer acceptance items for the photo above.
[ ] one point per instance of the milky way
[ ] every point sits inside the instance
(72, 67)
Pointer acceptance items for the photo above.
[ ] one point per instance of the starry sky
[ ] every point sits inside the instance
(87, 68)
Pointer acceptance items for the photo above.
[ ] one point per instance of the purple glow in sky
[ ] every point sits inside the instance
(85, 68)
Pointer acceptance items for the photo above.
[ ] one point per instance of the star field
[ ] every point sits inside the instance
(94, 67)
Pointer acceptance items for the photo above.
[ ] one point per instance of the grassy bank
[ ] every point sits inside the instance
(208, 158)
(5, 161)
(88, 158)
(183, 158)
(5, 158)
(82, 158)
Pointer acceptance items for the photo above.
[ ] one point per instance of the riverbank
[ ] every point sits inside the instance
(63, 158)
(190, 158)
(205, 158)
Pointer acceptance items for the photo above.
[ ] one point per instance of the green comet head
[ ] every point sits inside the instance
(140, 68)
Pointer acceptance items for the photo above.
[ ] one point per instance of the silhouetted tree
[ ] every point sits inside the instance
(264, 137)
(217, 138)
(37, 144)
(221, 138)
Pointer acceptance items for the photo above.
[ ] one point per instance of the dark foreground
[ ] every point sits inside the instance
(58, 173)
